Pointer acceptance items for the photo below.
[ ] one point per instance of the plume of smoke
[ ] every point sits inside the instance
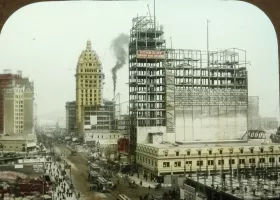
(118, 46)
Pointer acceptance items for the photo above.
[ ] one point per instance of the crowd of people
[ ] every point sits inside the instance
(62, 190)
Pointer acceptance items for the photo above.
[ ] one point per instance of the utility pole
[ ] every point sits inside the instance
(185, 165)
(155, 18)
(171, 178)
(207, 43)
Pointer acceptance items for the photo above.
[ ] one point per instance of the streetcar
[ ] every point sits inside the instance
(93, 176)
(94, 167)
(104, 184)
(122, 197)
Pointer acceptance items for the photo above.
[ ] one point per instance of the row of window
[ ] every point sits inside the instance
(90, 70)
(4, 146)
(90, 95)
(147, 161)
(210, 152)
(220, 162)
(19, 106)
(88, 76)
(90, 81)
(86, 100)
(83, 81)
(89, 91)
(91, 86)
(110, 136)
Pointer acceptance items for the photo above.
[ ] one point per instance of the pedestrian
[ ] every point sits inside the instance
(149, 187)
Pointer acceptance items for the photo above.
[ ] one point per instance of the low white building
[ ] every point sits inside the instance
(191, 157)
(18, 143)
(110, 137)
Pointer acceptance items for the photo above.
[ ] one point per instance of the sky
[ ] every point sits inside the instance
(44, 40)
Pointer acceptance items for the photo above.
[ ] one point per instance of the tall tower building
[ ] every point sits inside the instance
(18, 108)
(89, 84)
(6, 79)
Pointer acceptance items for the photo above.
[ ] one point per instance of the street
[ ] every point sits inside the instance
(79, 174)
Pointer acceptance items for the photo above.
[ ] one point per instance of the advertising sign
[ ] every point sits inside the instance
(93, 119)
(150, 54)
(38, 168)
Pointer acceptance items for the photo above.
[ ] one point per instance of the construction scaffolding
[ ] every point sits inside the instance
(146, 76)
(211, 93)
(255, 179)
(100, 118)
(170, 98)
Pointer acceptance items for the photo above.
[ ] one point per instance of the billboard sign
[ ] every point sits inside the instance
(93, 119)
(150, 54)
(38, 168)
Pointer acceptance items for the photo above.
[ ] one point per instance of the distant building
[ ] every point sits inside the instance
(89, 85)
(70, 117)
(254, 120)
(6, 80)
(18, 107)
(269, 123)
(100, 117)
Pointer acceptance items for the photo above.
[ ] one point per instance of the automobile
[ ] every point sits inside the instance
(106, 191)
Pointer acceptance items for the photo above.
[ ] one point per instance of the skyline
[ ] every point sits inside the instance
(257, 36)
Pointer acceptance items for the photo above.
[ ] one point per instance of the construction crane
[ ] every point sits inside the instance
(149, 12)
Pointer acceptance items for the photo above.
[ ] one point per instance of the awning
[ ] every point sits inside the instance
(31, 144)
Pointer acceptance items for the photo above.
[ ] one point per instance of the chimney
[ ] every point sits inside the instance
(19, 72)
(7, 71)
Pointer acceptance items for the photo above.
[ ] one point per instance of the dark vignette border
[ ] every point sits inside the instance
(270, 7)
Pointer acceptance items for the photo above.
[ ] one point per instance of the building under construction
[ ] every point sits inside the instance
(254, 119)
(183, 94)
(100, 118)
(259, 181)
(147, 95)
(210, 93)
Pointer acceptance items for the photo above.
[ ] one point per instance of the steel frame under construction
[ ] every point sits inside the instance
(146, 76)
(105, 116)
(207, 85)
(247, 181)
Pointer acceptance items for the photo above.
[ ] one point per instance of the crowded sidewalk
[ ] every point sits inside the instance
(62, 190)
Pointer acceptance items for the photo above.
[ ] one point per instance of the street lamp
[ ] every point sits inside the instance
(70, 173)
(1, 147)
(185, 165)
